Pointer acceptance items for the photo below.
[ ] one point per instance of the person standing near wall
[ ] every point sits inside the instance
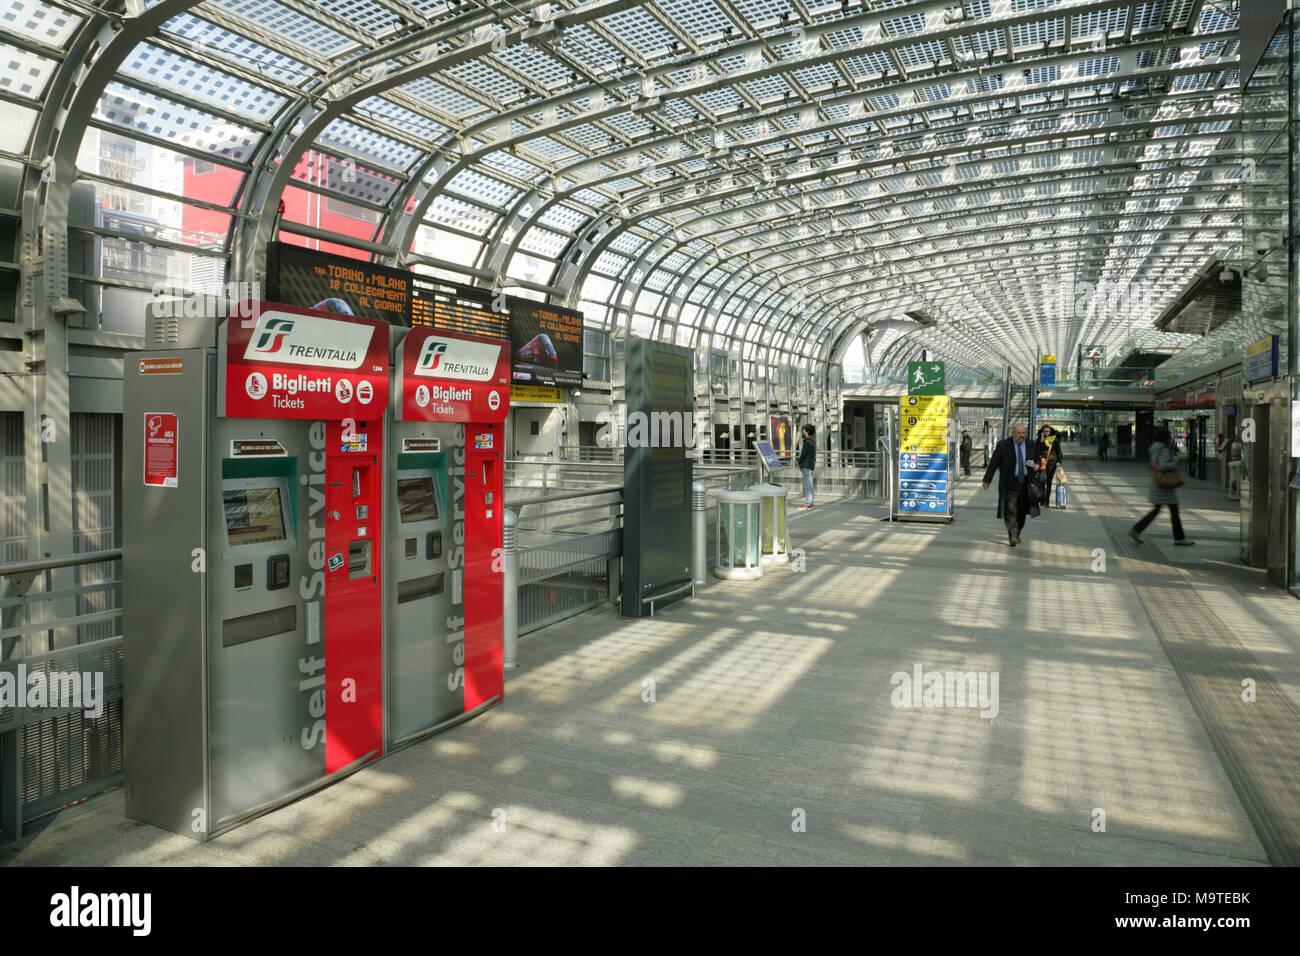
(807, 462)
(966, 447)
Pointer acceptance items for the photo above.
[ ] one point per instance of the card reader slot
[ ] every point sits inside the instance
(417, 588)
(252, 627)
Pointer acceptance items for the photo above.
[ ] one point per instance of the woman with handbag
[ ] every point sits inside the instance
(1048, 453)
(1166, 476)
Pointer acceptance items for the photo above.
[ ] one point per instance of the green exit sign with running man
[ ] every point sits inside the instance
(925, 378)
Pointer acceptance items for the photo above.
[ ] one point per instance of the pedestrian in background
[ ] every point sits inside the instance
(1048, 453)
(1102, 444)
(807, 462)
(1165, 479)
(966, 446)
(1013, 461)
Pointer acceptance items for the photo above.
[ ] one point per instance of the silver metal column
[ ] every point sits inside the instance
(510, 588)
(699, 533)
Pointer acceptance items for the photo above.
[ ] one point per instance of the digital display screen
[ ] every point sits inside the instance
(439, 305)
(546, 344)
(330, 283)
(253, 515)
(416, 500)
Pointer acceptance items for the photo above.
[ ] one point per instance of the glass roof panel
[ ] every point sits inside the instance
(281, 22)
(160, 69)
(43, 22)
(238, 50)
(931, 174)
(24, 74)
(131, 109)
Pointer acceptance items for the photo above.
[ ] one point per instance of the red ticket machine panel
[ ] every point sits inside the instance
(453, 377)
(484, 665)
(284, 362)
(353, 592)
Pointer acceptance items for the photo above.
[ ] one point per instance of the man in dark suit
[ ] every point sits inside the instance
(1014, 458)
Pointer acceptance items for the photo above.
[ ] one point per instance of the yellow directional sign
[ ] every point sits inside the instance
(923, 423)
(534, 393)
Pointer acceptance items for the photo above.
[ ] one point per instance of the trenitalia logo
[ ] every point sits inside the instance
(457, 358)
(273, 336)
(432, 356)
(308, 340)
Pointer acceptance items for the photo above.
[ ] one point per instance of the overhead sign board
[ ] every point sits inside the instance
(546, 341)
(1260, 360)
(452, 377)
(330, 283)
(295, 363)
(535, 393)
(925, 378)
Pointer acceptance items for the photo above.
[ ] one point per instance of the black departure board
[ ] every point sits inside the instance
(443, 305)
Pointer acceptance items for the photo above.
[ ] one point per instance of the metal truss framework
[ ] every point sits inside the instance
(768, 178)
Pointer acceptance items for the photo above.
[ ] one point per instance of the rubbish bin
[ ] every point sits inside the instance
(773, 532)
(1234, 479)
(737, 538)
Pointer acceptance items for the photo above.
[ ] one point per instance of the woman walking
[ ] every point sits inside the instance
(1048, 453)
(1164, 488)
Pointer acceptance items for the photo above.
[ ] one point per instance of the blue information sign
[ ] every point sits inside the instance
(923, 482)
(1260, 360)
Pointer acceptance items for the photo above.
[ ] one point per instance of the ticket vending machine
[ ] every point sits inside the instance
(253, 561)
(444, 476)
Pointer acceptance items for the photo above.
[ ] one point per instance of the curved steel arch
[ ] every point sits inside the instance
(1155, 71)
(826, 104)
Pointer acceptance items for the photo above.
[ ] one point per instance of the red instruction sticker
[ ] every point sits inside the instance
(161, 440)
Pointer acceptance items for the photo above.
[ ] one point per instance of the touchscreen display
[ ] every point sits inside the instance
(253, 516)
(415, 499)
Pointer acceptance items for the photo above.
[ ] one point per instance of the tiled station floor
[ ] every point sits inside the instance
(773, 735)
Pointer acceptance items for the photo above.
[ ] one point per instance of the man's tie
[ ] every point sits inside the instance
(1020, 461)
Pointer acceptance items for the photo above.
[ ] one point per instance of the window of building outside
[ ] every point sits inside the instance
(341, 207)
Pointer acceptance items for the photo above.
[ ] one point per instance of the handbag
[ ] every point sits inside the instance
(1060, 475)
(1034, 486)
(1170, 479)
(1062, 496)
(1167, 480)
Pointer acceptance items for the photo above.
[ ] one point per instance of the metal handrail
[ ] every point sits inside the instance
(37, 565)
(564, 495)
